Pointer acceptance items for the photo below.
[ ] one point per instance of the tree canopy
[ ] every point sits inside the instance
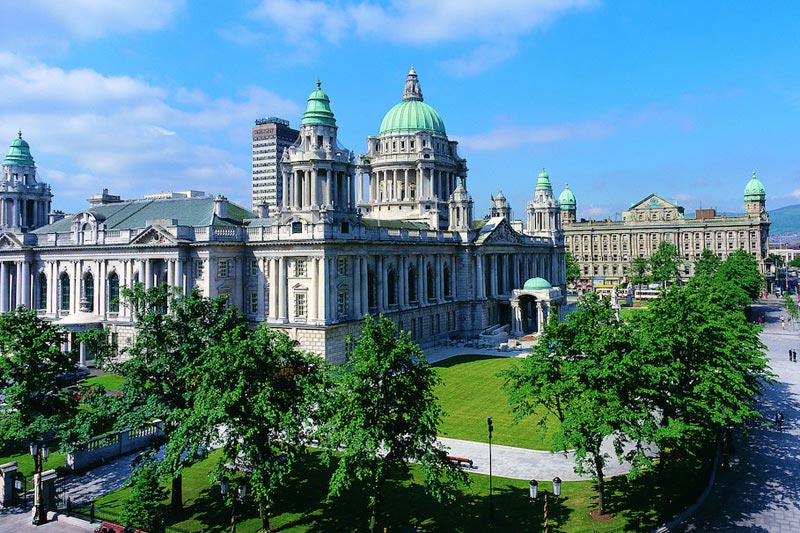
(573, 270)
(665, 263)
(384, 414)
(33, 405)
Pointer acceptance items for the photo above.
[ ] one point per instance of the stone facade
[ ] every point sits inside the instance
(389, 232)
(604, 249)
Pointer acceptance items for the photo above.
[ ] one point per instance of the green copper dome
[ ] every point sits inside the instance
(412, 114)
(19, 152)
(567, 200)
(318, 110)
(755, 191)
(543, 183)
(536, 284)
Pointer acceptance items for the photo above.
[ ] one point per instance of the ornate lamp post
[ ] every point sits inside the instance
(533, 493)
(239, 491)
(491, 501)
(39, 452)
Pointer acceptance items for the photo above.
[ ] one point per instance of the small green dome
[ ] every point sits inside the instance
(543, 183)
(567, 200)
(536, 284)
(318, 111)
(412, 114)
(19, 152)
(755, 191)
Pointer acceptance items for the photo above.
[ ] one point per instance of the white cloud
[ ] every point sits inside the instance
(596, 212)
(47, 23)
(89, 131)
(505, 137)
(483, 23)
(793, 194)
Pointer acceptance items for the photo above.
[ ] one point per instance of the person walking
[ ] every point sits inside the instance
(779, 421)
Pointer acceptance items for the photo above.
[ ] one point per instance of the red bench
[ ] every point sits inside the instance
(460, 461)
(111, 527)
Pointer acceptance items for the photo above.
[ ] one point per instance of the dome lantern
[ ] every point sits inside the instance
(318, 111)
(412, 114)
(19, 152)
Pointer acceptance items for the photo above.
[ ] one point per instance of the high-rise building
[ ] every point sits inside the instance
(270, 137)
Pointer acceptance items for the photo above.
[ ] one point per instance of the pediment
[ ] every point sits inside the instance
(498, 231)
(652, 202)
(154, 236)
(9, 242)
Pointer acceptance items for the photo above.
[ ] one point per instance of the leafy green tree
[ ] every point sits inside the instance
(579, 372)
(573, 271)
(791, 308)
(162, 364)
(263, 391)
(97, 413)
(698, 363)
(143, 508)
(638, 271)
(741, 270)
(777, 260)
(385, 414)
(665, 263)
(33, 406)
(795, 263)
(707, 264)
(97, 344)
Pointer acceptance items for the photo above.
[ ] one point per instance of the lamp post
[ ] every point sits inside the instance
(239, 491)
(491, 501)
(533, 493)
(39, 452)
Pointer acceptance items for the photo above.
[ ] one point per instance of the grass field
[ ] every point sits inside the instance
(111, 382)
(25, 461)
(471, 390)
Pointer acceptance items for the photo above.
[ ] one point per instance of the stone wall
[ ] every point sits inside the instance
(100, 449)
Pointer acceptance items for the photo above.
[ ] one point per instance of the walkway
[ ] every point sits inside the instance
(761, 491)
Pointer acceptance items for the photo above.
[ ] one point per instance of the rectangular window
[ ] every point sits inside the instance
(300, 268)
(198, 268)
(300, 306)
(252, 303)
(223, 269)
(252, 268)
(341, 266)
(341, 304)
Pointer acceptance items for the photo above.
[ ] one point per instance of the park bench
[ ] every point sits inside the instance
(460, 461)
(111, 527)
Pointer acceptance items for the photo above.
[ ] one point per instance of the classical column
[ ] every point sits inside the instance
(100, 293)
(75, 289)
(539, 317)
(364, 288)
(148, 273)
(4, 287)
(480, 279)
(272, 311)
(439, 265)
(357, 287)
(314, 176)
(282, 289)
(516, 319)
(380, 281)
(26, 298)
(329, 188)
(493, 276)
(402, 283)
(517, 283)
(179, 277)
(313, 304)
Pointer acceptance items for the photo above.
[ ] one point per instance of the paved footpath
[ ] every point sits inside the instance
(760, 492)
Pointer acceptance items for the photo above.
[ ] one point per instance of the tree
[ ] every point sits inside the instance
(573, 271)
(385, 414)
(665, 263)
(162, 365)
(791, 308)
(579, 372)
(740, 272)
(263, 391)
(795, 263)
(33, 406)
(97, 344)
(143, 508)
(707, 264)
(638, 270)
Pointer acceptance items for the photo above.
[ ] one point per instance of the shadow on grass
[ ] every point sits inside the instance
(464, 359)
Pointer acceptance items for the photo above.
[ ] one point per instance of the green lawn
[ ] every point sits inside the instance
(304, 506)
(109, 381)
(25, 461)
(471, 390)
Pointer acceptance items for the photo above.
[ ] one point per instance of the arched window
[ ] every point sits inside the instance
(431, 284)
(391, 285)
(446, 281)
(87, 301)
(63, 301)
(41, 291)
(113, 293)
(412, 285)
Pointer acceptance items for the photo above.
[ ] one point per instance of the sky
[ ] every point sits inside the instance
(618, 99)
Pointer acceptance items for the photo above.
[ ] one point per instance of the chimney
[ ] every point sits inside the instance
(263, 210)
(221, 206)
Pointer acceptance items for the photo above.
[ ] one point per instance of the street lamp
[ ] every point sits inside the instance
(39, 453)
(557, 486)
(239, 491)
(491, 502)
(533, 490)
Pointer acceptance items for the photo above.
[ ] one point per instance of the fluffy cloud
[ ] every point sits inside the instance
(53, 24)
(507, 137)
(89, 131)
(419, 23)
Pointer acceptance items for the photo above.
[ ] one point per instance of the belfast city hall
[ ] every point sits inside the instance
(390, 231)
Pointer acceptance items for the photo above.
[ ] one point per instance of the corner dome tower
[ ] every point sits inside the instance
(318, 111)
(755, 191)
(568, 206)
(412, 114)
(26, 201)
(19, 152)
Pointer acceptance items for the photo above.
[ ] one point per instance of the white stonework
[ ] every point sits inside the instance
(389, 232)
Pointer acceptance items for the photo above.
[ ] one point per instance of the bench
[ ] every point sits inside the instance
(460, 461)
(111, 527)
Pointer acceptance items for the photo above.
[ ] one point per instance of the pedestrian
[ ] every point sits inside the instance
(790, 354)
(783, 323)
(779, 421)
(794, 356)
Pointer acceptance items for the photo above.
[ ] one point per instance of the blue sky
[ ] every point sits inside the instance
(619, 99)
